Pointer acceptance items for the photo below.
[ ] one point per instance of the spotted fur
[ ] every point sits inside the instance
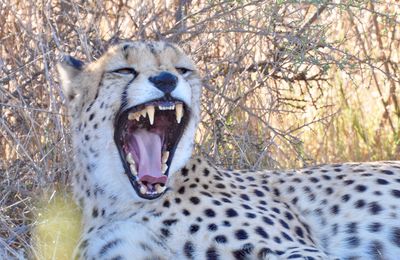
(339, 211)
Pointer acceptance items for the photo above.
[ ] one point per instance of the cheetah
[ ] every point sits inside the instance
(134, 114)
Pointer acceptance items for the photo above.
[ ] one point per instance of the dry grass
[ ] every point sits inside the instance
(286, 84)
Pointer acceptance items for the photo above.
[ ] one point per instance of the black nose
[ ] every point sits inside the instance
(165, 81)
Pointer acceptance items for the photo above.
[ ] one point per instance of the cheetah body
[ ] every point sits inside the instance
(346, 211)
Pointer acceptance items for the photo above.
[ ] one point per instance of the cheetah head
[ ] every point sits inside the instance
(134, 115)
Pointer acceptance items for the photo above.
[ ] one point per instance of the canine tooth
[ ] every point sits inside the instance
(160, 188)
(165, 157)
(150, 111)
(129, 159)
(133, 170)
(131, 116)
(164, 167)
(143, 189)
(179, 112)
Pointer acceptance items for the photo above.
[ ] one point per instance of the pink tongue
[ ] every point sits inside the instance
(148, 155)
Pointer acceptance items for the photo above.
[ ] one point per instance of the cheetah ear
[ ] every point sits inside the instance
(69, 69)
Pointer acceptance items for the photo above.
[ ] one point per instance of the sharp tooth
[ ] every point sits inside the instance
(131, 116)
(129, 159)
(150, 111)
(164, 167)
(179, 112)
(143, 189)
(133, 170)
(160, 188)
(143, 113)
(137, 116)
(165, 157)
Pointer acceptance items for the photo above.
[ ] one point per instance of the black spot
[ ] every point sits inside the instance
(226, 223)
(194, 228)
(353, 241)
(185, 212)
(87, 137)
(284, 224)
(231, 213)
(188, 249)
(335, 209)
(194, 200)
(276, 192)
(221, 239)
(387, 172)
(288, 215)
(314, 180)
(95, 212)
(184, 172)
(264, 252)
(165, 232)
(267, 220)
(351, 228)
(181, 190)
(361, 188)
(326, 177)
(206, 172)
(212, 227)
(329, 191)
(375, 227)
(258, 193)
(109, 246)
(262, 233)
(194, 167)
(376, 250)
(286, 236)
(374, 208)
(84, 244)
(243, 253)
(177, 200)
(277, 240)
(299, 231)
(250, 215)
(166, 204)
(395, 237)
(348, 182)
(209, 213)
(346, 197)
(206, 194)
(91, 117)
(359, 204)
(216, 202)
(396, 193)
(220, 186)
(145, 247)
(382, 181)
(276, 210)
(241, 234)
(245, 197)
(170, 222)
(212, 254)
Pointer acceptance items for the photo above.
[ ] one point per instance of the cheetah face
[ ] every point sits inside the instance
(150, 92)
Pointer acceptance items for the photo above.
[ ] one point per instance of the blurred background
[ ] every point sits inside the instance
(286, 84)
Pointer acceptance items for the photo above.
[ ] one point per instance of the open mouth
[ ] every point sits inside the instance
(146, 136)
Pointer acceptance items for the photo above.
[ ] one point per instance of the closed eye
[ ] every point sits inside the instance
(183, 70)
(126, 71)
